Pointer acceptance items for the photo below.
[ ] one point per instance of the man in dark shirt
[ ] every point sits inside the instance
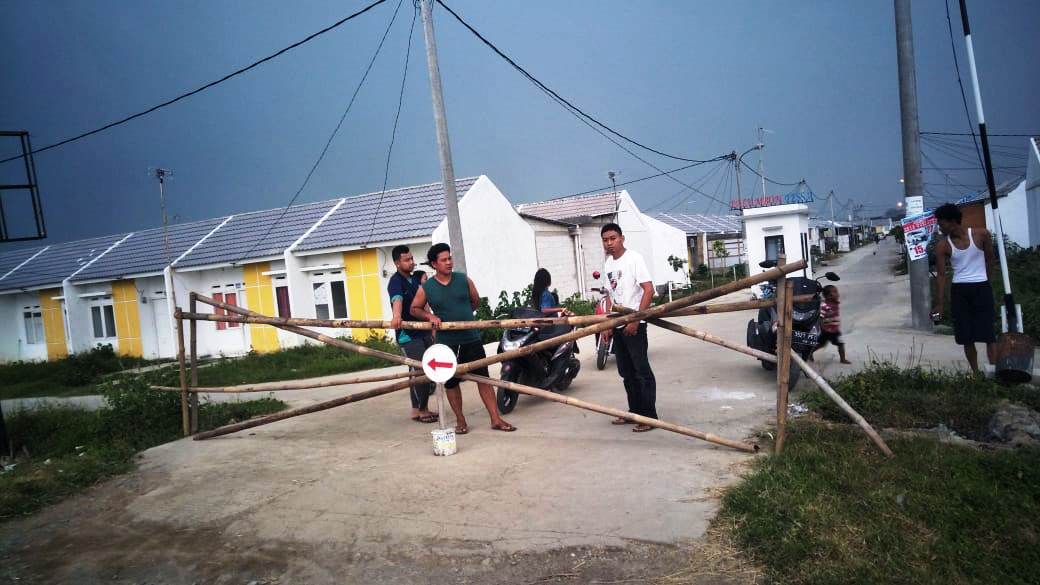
(454, 297)
(402, 288)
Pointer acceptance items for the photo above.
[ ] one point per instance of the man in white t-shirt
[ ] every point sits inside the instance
(628, 281)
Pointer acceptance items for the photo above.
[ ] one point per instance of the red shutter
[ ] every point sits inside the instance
(218, 311)
(231, 299)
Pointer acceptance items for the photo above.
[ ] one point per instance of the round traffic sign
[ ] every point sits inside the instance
(439, 363)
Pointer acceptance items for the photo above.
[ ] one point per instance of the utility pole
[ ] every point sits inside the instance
(761, 163)
(736, 167)
(451, 200)
(617, 204)
(920, 285)
(161, 174)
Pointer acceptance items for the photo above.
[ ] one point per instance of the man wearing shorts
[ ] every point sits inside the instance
(970, 252)
(452, 296)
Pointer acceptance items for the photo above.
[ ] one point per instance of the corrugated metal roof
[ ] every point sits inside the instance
(826, 223)
(405, 213)
(57, 263)
(700, 223)
(144, 252)
(236, 241)
(10, 260)
(573, 208)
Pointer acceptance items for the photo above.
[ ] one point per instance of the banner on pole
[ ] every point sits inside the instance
(918, 229)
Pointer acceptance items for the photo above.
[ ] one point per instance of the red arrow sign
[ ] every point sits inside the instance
(434, 364)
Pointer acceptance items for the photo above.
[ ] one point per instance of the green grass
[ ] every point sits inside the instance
(70, 449)
(75, 375)
(832, 509)
(888, 396)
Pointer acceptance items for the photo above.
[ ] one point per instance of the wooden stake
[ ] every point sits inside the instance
(278, 416)
(301, 385)
(783, 354)
(855, 416)
(636, 418)
(193, 341)
(185, 419)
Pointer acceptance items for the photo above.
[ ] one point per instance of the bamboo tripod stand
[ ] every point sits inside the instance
(587, 325)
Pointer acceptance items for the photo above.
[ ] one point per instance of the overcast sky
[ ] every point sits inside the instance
(694, 78)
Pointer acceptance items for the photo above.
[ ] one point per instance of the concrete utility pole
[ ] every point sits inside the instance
(451, 200)
(920, 285)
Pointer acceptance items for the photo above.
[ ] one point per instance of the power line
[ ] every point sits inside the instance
(556, 95)
(700, 182)
(639, 180)
(960, 83)
(397, 118)
(332, 136)
(188, 94)
(768, 180)
(1033, 135)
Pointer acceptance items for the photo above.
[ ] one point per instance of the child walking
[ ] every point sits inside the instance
(830, 312)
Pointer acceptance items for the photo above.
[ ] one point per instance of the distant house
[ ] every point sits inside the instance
(329, 259)
(1018, 200)
(702, 232)
(586, 214)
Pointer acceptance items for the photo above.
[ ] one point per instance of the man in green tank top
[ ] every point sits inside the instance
(452, 296)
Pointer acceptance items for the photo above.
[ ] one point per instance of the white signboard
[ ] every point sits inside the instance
(914, 205)
(918, 229)
(843, 243)
(439, 363)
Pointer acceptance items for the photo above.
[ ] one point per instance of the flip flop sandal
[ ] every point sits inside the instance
(504, 427)
(429, 418)
(642, 429)
(621, 421)
(461, 430)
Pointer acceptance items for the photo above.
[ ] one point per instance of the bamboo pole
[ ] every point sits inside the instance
(193, 339)
(855, 416)
(732, 307)
(636, 418)
(185, 419)
(416, 325)
(298, 385)
(278, 416)
(783, 354)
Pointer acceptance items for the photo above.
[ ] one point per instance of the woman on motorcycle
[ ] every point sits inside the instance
(542, 299)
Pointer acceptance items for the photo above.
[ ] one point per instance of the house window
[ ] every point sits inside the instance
(103, 318)
(774, 247)
(330, 295)
(230, 298)
(33, 318)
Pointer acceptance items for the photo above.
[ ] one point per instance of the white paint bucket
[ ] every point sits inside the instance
(444, 442)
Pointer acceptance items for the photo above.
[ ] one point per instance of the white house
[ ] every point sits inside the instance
(702, 231)
(777, 229)
(654, 240)
(329, 259)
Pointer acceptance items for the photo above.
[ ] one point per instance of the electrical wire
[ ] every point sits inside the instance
(202, 88)
(768, 180)
(332, 136)
(561, 99)
(960, 83)
(1033, 135)
(700, 183)
(397, 118)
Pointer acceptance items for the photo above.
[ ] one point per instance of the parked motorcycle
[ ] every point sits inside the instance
(805, 333)
(550, 369)
(604, 346)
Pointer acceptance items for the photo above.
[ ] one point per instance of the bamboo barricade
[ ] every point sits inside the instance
(833, 395)
(636, 418)
(469, 366)
(279, 387)
(185, 417)
(784, 309)
(193, 381)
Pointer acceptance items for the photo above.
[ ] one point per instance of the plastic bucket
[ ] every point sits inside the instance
(444, 442)
(1014, 358)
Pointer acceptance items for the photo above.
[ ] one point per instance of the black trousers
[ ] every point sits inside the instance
(633, 365)
(420, 393)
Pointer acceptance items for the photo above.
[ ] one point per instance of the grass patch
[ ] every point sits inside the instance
(889, 396)
(75, 375)
(70, 449)
(834, 510)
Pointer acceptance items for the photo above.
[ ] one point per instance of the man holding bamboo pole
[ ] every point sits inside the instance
(627, 282)
(452, 296)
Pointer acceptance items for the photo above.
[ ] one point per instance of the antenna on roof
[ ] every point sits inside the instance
(613, 181)
(161, 174)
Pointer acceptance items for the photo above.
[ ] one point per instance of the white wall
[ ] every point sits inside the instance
(80, 320)
(554, 251)
(211, 341)
(1016, 216)
(157, 334)
(666, 241)
(15, 346)
(500, 245)
(790, 221)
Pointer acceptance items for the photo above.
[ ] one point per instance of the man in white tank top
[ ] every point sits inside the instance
(970, 252)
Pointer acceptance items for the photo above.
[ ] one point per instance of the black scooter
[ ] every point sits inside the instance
(805, 334)
(549, 369)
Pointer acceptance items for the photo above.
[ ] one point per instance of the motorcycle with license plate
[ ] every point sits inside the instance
(806, 326)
